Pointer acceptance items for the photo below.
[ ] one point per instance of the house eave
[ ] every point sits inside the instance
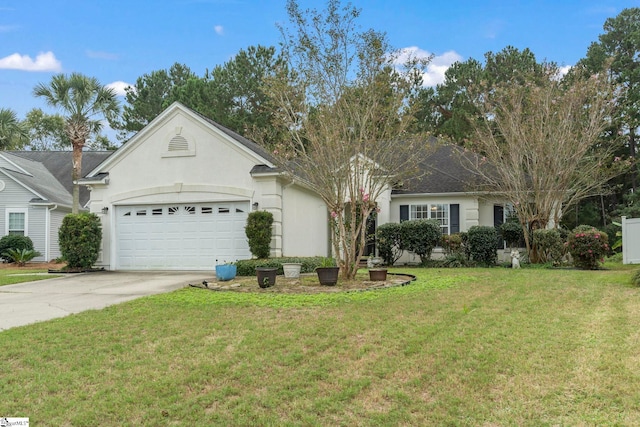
(452, 194)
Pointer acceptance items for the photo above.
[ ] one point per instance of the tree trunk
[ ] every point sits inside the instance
(632, 153)
(76, 173)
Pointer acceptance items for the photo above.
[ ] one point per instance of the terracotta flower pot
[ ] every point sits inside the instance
(378, 274)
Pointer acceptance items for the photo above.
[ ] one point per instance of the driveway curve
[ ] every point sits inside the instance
(31, 302)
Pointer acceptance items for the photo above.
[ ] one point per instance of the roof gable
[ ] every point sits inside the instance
(259, 154)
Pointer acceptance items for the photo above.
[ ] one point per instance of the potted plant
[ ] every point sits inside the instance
(328, 272)
(266, 276)
(225, 271)
(377, 274)
(291, 269)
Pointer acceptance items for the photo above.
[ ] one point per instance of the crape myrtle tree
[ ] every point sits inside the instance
(539, 145)
(347, 106)
(85, 102)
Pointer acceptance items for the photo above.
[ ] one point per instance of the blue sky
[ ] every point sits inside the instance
(119, 41)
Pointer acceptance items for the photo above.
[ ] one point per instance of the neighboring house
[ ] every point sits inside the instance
(176, 196)
(35, 195)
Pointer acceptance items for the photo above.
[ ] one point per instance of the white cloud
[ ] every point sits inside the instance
(45, 61)
(119, 87)
(564, 70)
(219, 29)
(436, 68)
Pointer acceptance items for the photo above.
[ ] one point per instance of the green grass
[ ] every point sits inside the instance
(12, 276)
(457, 347)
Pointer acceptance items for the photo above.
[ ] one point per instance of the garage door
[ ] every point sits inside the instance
(180, 236)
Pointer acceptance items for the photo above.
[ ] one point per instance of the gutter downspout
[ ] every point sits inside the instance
(47, 239)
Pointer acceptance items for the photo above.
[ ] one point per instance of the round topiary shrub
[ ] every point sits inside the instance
(482, 241)
(420, 236)
(588, 246)
(512, 233)
(258, 231)
(79, 238)
(14, 242)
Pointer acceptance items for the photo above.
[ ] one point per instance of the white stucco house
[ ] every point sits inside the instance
(176, 197)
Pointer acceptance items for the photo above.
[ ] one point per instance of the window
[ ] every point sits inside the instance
(17, 221)
(439, 212)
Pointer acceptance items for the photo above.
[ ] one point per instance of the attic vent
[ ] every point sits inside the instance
(178, 143)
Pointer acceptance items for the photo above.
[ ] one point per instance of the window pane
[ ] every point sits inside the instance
(441, 214)
(16, 222)
(419, 212)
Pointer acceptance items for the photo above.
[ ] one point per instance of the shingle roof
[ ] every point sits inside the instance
(445, 172)
(51, 172)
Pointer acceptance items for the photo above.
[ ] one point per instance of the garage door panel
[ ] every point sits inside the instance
(180, 236)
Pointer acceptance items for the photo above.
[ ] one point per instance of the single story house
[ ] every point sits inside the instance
(176, 197)
(35, 194)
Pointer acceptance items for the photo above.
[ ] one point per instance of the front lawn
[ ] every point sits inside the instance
(456, 347)
(10, 276)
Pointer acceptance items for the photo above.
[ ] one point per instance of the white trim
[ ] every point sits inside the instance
(8, 211)
(20, 170)
(20, 183)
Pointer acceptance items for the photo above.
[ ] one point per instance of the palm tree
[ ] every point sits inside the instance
(85, 101)
(13, 134)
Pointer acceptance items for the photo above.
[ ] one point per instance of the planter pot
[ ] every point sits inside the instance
(378, 274)
(266, 276)
(226, 272)
(291, 270)
(328, 276)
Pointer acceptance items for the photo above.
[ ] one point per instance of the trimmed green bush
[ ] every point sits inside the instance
(247, 267)
(389, 242)
(79, 239)
(258, 231)
(549, 245)
(420, 236)
(588, 246)
(512, 233)
(482, 242)
(16, 242)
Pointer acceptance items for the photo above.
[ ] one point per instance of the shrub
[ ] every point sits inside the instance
(389, 241)
(482, 244)
(21, 256)
(452, 244)
(247, 267)
(635, 279)
(456, 260)
(512, 233)
(587, 246)
(420, 236)
(258, 231)
(14, 242)
(549, 245)
(79, 238)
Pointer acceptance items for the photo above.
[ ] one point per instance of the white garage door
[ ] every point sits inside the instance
(180, 236)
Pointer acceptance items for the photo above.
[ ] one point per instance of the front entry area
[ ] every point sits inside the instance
(185, 236)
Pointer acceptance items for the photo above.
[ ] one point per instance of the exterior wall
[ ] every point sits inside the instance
(14, 196)
(213, 169)
(55, 221)
(305, 224)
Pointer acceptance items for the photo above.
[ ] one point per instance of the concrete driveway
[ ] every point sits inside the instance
(31, 302)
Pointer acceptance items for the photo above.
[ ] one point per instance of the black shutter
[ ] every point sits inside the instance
(404, 213)
(454, 212)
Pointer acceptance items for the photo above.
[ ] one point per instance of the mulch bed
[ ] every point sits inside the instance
(306, 284)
